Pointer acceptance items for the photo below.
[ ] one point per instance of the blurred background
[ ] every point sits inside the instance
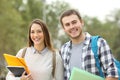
(16, 15)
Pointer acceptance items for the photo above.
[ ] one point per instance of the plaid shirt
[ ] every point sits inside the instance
(88, 60)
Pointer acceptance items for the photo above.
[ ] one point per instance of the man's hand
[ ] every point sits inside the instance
(110, 78)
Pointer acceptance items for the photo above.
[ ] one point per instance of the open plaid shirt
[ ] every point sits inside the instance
(88, 60)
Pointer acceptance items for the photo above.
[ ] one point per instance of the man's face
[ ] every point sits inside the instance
(72, 26)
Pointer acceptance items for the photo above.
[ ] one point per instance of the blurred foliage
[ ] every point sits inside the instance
(17, 15)
(109, 30)
(52, 19)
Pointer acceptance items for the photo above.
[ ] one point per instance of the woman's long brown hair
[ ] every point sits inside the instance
(47, 39)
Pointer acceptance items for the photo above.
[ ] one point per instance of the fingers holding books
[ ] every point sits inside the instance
(23, 77)
(26, 77)
(29, 77)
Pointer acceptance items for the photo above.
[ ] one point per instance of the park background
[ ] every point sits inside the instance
(16, 15)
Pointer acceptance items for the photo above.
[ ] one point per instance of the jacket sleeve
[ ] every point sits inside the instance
(107, 59)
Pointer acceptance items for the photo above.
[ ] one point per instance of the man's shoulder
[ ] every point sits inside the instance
(66, 44)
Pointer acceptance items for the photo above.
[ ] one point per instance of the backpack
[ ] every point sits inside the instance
(94, 47)
(53, 61)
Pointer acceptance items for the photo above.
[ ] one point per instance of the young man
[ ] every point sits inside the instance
(77, 52)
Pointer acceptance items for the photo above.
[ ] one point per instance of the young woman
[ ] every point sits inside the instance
(39, 55)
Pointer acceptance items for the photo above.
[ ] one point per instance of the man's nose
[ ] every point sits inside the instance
(71, 25)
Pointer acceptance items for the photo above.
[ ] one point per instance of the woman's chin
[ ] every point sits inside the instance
(36, 43)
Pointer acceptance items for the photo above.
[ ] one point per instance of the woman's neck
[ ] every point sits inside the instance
(39, 47)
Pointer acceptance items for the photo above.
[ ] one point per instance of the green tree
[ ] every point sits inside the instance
(52, 19)
(106, 29)
(10, 24)
(115, 20)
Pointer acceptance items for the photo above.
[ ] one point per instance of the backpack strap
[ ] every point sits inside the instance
(118, 66)
(23, 53)
(54, 63)
(94, 47)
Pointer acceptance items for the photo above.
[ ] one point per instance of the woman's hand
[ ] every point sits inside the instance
(26, 77)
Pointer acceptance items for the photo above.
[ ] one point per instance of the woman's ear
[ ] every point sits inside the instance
(82, 22)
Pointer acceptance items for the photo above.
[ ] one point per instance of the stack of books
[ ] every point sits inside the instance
(78, 74)
(16, 65)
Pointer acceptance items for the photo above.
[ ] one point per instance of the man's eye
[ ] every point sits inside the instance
(74, 22)
(67, 24)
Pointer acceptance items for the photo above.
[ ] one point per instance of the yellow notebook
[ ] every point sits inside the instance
(15, 61)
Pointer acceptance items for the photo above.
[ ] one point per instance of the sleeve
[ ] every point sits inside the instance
(59, 67)
(107, 59)
(9, 75)
(19, 54)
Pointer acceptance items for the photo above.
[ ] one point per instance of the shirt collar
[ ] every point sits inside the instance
(87, 38)
(42, 52)
(86, 42)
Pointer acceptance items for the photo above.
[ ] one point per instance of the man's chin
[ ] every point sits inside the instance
(74, 37)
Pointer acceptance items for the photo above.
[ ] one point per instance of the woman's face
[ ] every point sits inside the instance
(36, 34)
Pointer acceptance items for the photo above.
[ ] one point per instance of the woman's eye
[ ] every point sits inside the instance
(32, 31)
(39, 31)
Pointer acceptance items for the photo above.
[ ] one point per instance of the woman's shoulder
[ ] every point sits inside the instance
(19, 53)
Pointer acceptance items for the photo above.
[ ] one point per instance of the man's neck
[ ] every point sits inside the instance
(78, 40)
